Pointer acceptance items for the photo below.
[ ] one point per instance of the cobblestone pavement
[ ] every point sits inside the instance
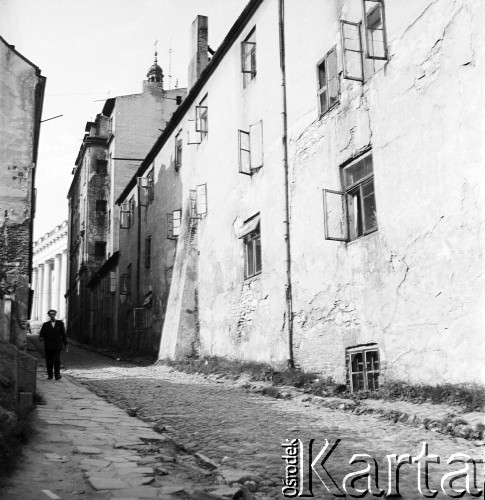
(211, 437)
(242, 432)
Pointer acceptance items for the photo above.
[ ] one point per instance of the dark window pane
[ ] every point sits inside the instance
(357, 362)
(372, 360)
(322, 76)
(257, 243)
(369, 203)
(249, 258)
(357, 171)
(333, 91)
(324, 102)
(358, 382)
(372, 381)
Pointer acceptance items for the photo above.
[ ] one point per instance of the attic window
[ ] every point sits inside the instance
(248, 58)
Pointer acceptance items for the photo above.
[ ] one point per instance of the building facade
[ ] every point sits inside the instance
(319, 207)
(21, 98)
(49, 274)
(113, 147)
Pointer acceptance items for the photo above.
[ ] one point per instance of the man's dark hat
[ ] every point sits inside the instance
(51, 311)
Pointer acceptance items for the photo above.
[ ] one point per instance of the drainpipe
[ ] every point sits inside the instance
(286, 221)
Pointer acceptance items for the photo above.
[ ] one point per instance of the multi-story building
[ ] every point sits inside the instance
(319, 206)
(113, 147)
(49, 274)
(21, 98)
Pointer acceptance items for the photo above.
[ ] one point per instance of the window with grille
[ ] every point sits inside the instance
(351, 213)
(328, 82)
(148, 251)
(174, 221)
(248, 58)
(364, 368)
(250, 233)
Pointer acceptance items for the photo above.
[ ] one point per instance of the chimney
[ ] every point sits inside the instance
(198, 49)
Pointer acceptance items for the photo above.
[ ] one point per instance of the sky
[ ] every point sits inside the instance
(90, 50)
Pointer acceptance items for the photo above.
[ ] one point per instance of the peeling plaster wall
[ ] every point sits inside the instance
(21, 95)
(416, 286)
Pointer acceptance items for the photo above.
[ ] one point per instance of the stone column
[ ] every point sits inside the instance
(56, 281)
(40, 294)
(63, 287)
(33, 287)
(46, 291)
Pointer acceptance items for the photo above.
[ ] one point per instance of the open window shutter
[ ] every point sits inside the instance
(374, 21)
(193, 136)
(244, 153)
(143, 188)
(201, 118)
(335, 215)
(256, 145)
(201, 199)
(353, 67)
(170, 226)
(176, 222)
(193, 204)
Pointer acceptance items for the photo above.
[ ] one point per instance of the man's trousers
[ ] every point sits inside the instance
(53, 362)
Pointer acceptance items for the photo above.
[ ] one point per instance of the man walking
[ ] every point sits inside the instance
(53, 334)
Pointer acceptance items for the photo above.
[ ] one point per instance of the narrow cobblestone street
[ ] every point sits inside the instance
(240, 431)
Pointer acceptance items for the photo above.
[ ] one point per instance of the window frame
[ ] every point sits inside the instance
(202, 118)
(248, 51)
(252, 250)
(379, 5)
(325, 88)
(178, 151)
(356, 227)
(97, 253)
(148, 252)
(102, 211)
(373, 372)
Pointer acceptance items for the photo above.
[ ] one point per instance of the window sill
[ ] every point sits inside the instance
(364, 237)
(253, 277)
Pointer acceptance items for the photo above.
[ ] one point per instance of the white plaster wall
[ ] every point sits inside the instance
(416, 285)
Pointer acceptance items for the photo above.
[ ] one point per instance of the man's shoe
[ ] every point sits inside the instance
(49, 378)
(59, 377)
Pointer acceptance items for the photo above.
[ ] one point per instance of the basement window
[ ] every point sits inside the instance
(251, 235)
(351, 213)
(328, 82)
(173, 224)
(363, 368)
(251, 149)
(248, 58)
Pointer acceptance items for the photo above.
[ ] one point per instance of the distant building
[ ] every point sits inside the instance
(21, 98)
(49, 274)
(113, 147)
(317, 199)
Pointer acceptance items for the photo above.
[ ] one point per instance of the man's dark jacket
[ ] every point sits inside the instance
(54, 336)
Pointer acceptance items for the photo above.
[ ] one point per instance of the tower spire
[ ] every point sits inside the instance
(155, 73)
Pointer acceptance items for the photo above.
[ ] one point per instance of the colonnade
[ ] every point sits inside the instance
(49, 281)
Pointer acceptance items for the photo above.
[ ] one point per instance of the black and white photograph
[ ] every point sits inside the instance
(242, 249)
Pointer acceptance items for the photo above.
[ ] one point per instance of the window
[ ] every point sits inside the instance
(178, 151)
(351, 213)
(352, 52)
(374, 19)
(140, 318)
(100, 249)
(364, 368)
(173, 224)
(328, 81)
(113, 280)
(125, 288)
(248, 58)
(127, 214)
(102, 167)
(110, 126)
(198, 201)
(101, 207)
(151, 185)
(251, 235)
(251, 149)
(201, 122)
(146, 189)
(148, 251)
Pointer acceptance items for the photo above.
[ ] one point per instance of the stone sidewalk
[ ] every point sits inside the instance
(87, 448)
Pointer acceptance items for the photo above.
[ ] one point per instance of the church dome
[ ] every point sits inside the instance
(155, 73)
